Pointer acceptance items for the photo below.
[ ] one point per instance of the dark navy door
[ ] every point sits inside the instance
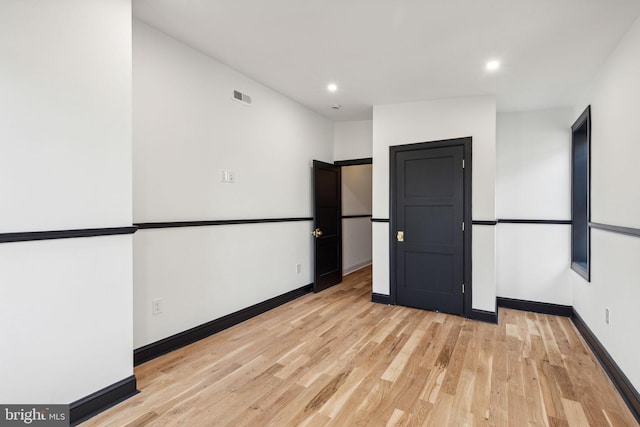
(327, 218)
(428, 222)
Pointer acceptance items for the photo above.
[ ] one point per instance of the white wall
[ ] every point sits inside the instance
(66, 316)
(65, 131)
(615, 200)
(533, 167)
(65, 115)
(614, 149)
(533, 164)
(614, 283)
(356, 232)
(353, 140)
(429, 121)
(534, 262)
(187, 128)
(203, 273)
(356, 190)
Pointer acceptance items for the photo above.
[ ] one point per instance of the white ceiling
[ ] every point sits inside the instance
(393, 51)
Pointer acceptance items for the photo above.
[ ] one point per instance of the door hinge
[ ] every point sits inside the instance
(463, 288)
(463, 226)
(462, 163)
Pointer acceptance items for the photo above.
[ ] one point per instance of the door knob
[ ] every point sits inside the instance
(400, 236)
(316, 233)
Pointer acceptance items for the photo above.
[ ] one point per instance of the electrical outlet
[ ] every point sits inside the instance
(607, 315)
(298, 268)
(156, 306)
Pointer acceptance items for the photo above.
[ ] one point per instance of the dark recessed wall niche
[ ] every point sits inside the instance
(580, 194)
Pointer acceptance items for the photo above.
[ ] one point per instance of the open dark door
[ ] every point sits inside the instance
(327, 220)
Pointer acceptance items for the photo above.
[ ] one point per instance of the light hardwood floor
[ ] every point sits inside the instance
(335, 358)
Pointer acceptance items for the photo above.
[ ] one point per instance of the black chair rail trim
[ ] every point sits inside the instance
(534, 221)
(65, 234)
(174, 224)
(616, 229)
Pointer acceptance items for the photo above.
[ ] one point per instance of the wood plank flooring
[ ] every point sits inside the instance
(335, 358)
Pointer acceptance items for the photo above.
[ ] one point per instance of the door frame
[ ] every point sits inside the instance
(467, 271)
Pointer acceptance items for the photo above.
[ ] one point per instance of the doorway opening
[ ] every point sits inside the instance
(356, 216)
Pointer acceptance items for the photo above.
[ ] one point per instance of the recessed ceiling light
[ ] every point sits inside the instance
(493, 65)
(332, 87)
(335, 106)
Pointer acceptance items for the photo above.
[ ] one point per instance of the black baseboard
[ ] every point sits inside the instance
(381, 299)
(85, 408)
(483, 316)
(181, 339)
(536, 307)
(619, 379)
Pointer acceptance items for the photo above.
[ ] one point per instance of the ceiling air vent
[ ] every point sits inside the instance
(242, 97)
